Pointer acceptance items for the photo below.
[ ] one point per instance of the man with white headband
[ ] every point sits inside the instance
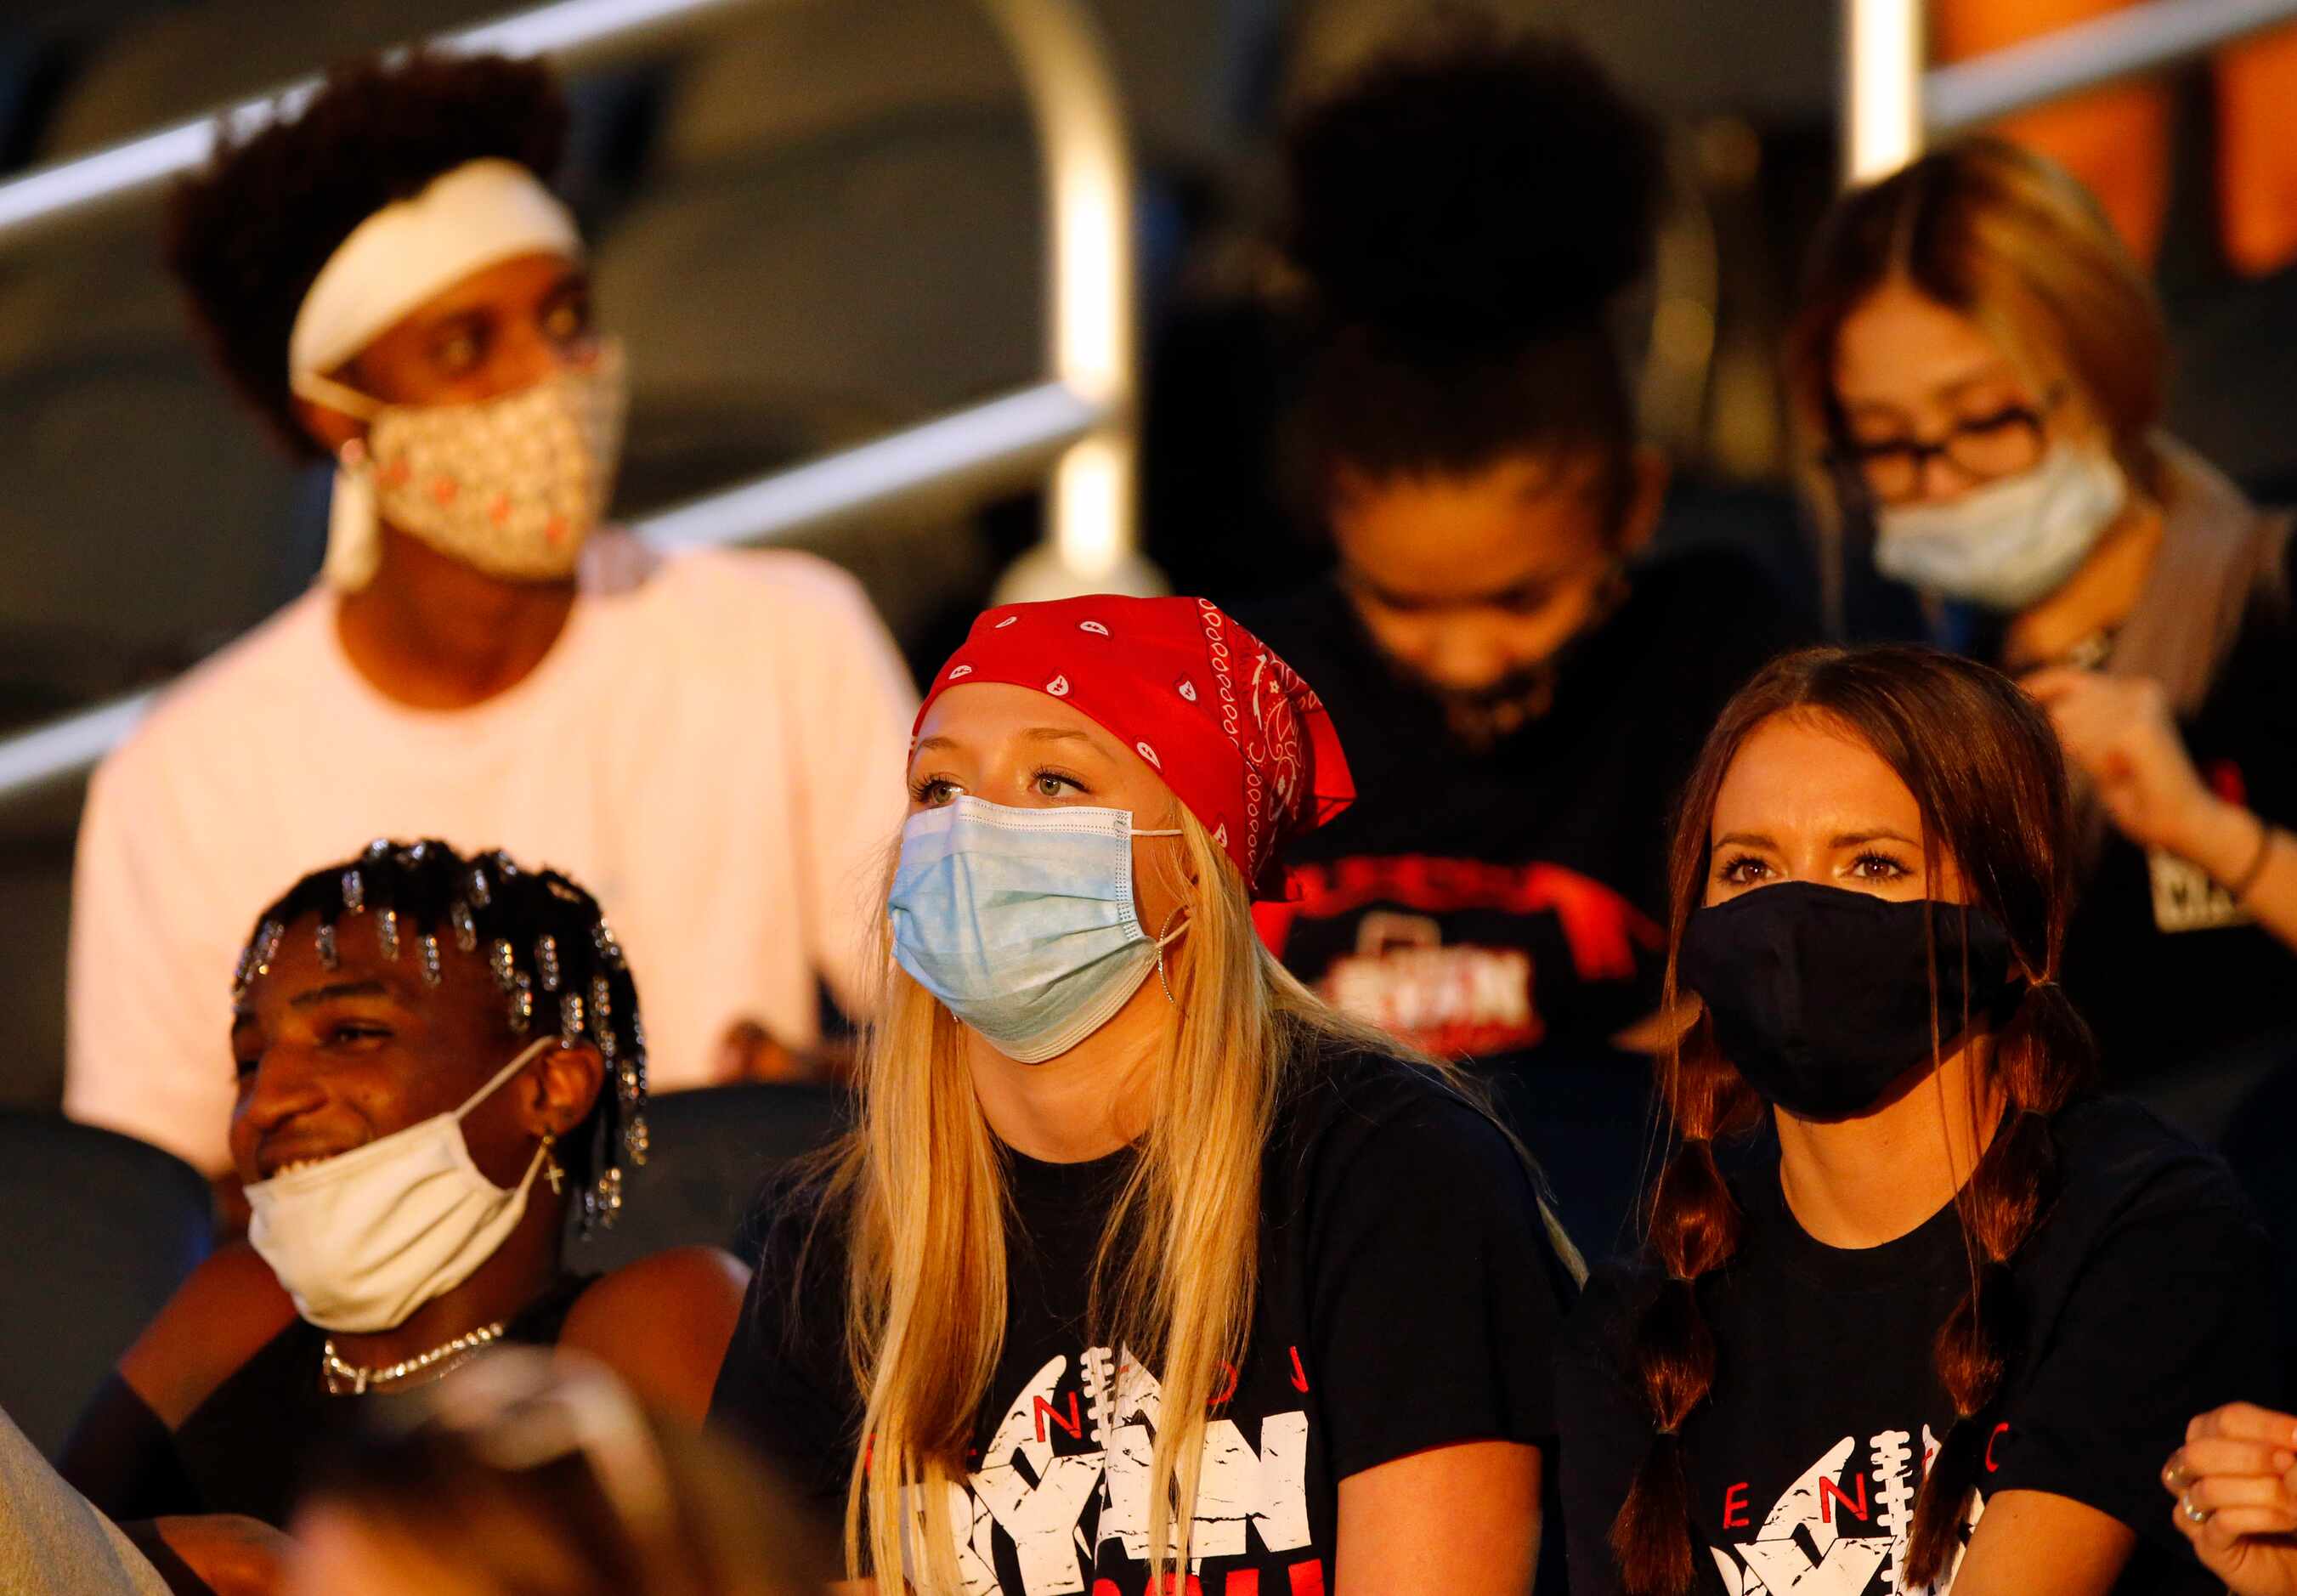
(705, 739)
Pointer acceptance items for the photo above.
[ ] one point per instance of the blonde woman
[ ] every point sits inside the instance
(1978, 367)
(1141, 1262)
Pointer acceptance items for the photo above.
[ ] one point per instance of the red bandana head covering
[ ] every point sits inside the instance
(1233, 730)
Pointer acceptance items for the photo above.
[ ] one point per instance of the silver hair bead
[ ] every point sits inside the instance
(602, 998)
(610, 951)
(636, 1139)
(324, 940)
(546, 961)
(354, 893)
(637, 1032)
(386, 932)
(482, 894)
(570, 1020)
(503, 960)
(242, 973)
(610, 1198)
(467, 929)
(521, 1004)
(607, 1045)
(378, 848)
(430, 947)
(627, 1085)
(266, 945)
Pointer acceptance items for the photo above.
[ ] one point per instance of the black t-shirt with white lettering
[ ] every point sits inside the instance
(1486, 902)
(1408, 1298)
(2142, 1303)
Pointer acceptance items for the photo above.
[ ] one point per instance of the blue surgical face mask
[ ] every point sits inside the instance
(1021, 921)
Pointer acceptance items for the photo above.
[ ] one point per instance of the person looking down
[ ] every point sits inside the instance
(1142, 1262)
(1518, 682)
(385, 276)
(1938, 1326)
(441, 1059)
(1978, 371)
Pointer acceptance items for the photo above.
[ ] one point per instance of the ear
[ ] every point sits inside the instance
(326, 426)
(562, 1088)
(1648, 475)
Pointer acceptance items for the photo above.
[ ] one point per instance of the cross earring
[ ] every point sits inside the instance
(550, 1170)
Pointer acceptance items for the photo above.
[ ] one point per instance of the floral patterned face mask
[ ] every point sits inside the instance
(511, 486)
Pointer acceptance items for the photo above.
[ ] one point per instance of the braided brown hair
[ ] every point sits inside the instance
(1986, 772)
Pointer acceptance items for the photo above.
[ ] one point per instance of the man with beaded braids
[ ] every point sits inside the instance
(441, 1062)
(704, 738)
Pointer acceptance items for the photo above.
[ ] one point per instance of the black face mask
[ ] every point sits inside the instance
(1821, 997)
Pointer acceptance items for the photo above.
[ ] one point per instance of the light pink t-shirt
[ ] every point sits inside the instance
(718, 755)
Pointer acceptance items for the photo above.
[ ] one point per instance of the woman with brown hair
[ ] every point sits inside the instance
(1947, 1318)
(1979, 370)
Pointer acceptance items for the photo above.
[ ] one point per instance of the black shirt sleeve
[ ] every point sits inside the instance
(1435, 1297)
(1606, 1431)
(784, 1386)
(2170, 1316)
(120, 1457)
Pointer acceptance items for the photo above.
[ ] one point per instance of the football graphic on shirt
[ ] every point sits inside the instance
(1066, 1472)
(1834, 1533)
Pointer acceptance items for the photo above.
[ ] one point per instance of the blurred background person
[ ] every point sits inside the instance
(1522, 684)
(1980, 368)
(441, 1060)
(529, 1474)
(383, 275)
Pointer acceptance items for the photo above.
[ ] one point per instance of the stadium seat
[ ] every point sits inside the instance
(105, 1228)
(712, 1150)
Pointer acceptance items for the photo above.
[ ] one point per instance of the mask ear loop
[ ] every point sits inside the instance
(1165, 937)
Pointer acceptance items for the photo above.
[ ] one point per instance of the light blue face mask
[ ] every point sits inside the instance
(1021, 921)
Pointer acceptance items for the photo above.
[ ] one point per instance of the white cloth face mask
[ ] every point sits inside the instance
(2009, 543)
(363, 1240)
(511, 486)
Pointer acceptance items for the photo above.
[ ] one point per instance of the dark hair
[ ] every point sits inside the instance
(1465, 208)
(246, 237)
(550, 949)
(1986, 772)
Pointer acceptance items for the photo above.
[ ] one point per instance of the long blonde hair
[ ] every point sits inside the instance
(919, 1189)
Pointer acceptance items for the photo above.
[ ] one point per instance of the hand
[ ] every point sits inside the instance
(232, 1556)
(2238, 1469)
(2118, 730)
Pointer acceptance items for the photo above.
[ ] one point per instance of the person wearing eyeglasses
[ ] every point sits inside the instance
(1979, 369)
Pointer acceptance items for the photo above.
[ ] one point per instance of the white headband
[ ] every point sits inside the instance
(482, 213)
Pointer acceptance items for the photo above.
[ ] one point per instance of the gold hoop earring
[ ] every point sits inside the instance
(1165, 934)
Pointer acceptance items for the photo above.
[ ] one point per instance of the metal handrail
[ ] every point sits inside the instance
(1890, 103)
(985, 446)
(1083, 421)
